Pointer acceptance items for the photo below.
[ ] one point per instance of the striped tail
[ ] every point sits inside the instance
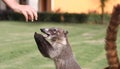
(111, 37)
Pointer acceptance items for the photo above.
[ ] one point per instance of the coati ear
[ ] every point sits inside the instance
(65, 32)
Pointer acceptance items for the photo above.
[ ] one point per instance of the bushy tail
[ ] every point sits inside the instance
(111, 37)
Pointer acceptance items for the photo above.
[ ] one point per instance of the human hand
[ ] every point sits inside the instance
(28, 12)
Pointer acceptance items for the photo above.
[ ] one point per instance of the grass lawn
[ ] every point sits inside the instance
(18, 49)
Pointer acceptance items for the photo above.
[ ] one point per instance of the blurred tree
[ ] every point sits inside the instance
(102, 5)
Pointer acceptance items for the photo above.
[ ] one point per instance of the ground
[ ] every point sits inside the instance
(19, 51)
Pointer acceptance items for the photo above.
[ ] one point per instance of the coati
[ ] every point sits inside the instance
(55, 46)
(111, 37)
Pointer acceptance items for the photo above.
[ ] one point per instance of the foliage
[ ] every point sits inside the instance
(49, 17)
(9, 15)
(96, 18)
(75, 17)
(102, 2)
(57, 17)
(46, 17)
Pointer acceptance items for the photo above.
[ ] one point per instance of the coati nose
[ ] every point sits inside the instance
(42, 29)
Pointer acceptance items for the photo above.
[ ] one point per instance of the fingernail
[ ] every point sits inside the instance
(36, 18)
(32, 20)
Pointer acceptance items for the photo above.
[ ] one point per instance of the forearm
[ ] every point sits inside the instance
(26, 10)
(11, 3)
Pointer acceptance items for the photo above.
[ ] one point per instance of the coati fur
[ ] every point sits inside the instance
(111, 37)
(55, 46)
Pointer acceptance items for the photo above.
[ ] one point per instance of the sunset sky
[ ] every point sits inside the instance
(83, 6)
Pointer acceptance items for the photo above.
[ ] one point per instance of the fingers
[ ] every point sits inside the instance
(25, 15)
(35, 14)
(29, 13)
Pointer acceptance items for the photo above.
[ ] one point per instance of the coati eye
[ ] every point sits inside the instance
(54, 30)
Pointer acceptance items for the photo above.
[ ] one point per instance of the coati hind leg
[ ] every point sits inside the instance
(111, 36)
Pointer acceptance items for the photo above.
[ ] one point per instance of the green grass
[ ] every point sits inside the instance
(18, 49)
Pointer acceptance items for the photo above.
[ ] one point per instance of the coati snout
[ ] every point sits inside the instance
(54, 33)
(51, 42)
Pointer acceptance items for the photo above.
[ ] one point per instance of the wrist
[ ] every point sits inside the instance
(15, 7)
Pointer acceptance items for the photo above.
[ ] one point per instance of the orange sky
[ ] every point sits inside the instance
(82, 6)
